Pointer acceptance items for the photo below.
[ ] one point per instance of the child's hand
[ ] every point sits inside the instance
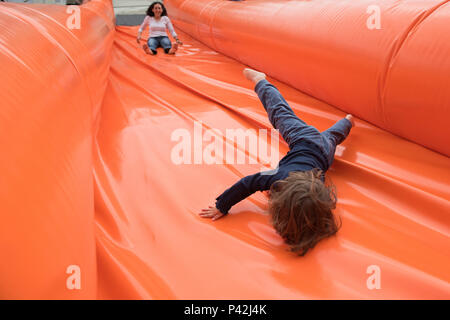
(211, 212)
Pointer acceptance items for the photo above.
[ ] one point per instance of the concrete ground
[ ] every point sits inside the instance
(128, 12)
(39, 1)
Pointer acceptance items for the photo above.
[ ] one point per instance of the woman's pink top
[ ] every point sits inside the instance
(157, 28)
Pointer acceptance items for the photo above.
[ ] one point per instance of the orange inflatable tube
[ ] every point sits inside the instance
(385, 62)
(53, 82)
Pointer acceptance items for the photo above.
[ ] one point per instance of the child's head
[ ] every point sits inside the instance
(301, 210)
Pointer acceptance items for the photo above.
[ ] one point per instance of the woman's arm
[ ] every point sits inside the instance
(141, 28)
(172, 30)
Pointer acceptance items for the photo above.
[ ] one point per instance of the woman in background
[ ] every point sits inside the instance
(158, 22)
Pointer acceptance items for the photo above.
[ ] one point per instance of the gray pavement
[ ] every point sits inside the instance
(128, 12)
(39, 1)
(131, 6)
(122, 6)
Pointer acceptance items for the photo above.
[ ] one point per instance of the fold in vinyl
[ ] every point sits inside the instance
(94, 206)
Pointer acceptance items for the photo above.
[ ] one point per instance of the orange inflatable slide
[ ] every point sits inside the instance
(99, 201)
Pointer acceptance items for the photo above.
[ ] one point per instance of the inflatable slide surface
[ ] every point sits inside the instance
(107, 151)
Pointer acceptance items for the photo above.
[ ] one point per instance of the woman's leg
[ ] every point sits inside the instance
(167, 45)
(280, 113)
(152, 44)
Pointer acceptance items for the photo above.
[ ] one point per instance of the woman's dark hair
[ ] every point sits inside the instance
(301, 210)
(74, 2)
(150, 9)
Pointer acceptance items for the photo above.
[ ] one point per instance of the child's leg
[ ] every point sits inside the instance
(339, 131)
(282, 117)
(335, 135)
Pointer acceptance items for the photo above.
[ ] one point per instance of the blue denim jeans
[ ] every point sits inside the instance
(156, 42)
(294, 130)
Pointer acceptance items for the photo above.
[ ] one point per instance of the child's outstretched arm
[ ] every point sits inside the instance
(238, 192)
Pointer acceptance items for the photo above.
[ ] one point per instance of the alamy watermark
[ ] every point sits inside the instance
(374, 280)
(74, 20)
(73, 281)
(374, 20)
(211, 146)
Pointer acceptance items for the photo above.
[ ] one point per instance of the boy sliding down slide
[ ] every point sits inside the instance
(300, 204)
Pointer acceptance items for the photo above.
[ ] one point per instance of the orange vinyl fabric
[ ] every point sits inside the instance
(89, 177)
(53, 80)
(395, 77)
(152, 244)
